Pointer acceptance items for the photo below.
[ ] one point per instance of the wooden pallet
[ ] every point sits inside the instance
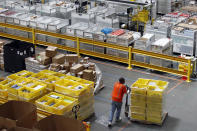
(151, 123)
(89, 117)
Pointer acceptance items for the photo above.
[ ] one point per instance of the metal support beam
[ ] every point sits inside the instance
(130, 58)
(189, 70)
(33, 37)
(78, 47)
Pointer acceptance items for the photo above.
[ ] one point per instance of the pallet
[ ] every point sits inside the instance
(151, 123)
(89, 117)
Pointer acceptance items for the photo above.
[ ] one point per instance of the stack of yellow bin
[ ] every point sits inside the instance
(56, 103)
(47, 79)
(3, 88)
(25, 89)
(148, 100)
(156, 100)
(31, 87)
(138, 100)
(80, 89)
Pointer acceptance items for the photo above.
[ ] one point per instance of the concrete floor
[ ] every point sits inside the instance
(181, 101)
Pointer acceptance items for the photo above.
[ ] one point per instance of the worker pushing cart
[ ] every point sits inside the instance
(117, 94)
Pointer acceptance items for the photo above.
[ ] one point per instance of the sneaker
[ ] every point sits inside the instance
(118, 120)
(109, 124)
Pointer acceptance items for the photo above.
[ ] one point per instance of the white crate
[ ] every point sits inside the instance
(53, 40)
(141, 58)
(88, 47)
(161, 45)
(125, 39)
(112, 52)
(122, 54)
(99, 36)
(112, 38)
(99, 49)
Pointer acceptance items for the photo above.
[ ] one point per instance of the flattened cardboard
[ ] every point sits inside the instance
(21, 129)
(60, 123)
(17, 113)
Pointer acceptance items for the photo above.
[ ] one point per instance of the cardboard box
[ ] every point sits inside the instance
(80, 74)
(51, 51)
(91, 66)
(72, 58)
(59, 59)
(17, 113)
(1, 49)
(86, 59)
(43, 59)
(60, 123)
(76, 68)
(88, 75)
(66, 66)
(55, 67)
(2, 67)
(2, 43)
(63, 71)
(21, 129)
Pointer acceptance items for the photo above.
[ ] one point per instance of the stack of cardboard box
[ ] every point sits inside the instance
(64, 63)
(1, 55)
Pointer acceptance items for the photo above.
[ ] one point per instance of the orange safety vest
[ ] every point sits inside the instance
(118, 92)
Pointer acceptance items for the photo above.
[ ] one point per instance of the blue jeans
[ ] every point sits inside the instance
(115, 105)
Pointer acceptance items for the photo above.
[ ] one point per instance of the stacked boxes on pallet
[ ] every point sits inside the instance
(144, 44)
(148, 100)
(121, 38)
(89, 35)
(162, 46)
(112, 38)
(33, 65)
(99, 36)
(124, 40)
(75, 30)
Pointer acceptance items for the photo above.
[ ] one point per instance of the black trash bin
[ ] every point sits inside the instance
(15, 54)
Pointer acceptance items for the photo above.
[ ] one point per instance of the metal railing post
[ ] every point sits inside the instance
(130, 58)
(33, 36)
(189, 70)
(43, 1)
(78, 47)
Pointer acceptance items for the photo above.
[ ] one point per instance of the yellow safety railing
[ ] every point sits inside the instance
(79, 51)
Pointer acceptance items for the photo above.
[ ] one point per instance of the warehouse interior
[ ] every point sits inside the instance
(60, 61)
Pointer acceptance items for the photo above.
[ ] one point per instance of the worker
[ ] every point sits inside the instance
(117, 94)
